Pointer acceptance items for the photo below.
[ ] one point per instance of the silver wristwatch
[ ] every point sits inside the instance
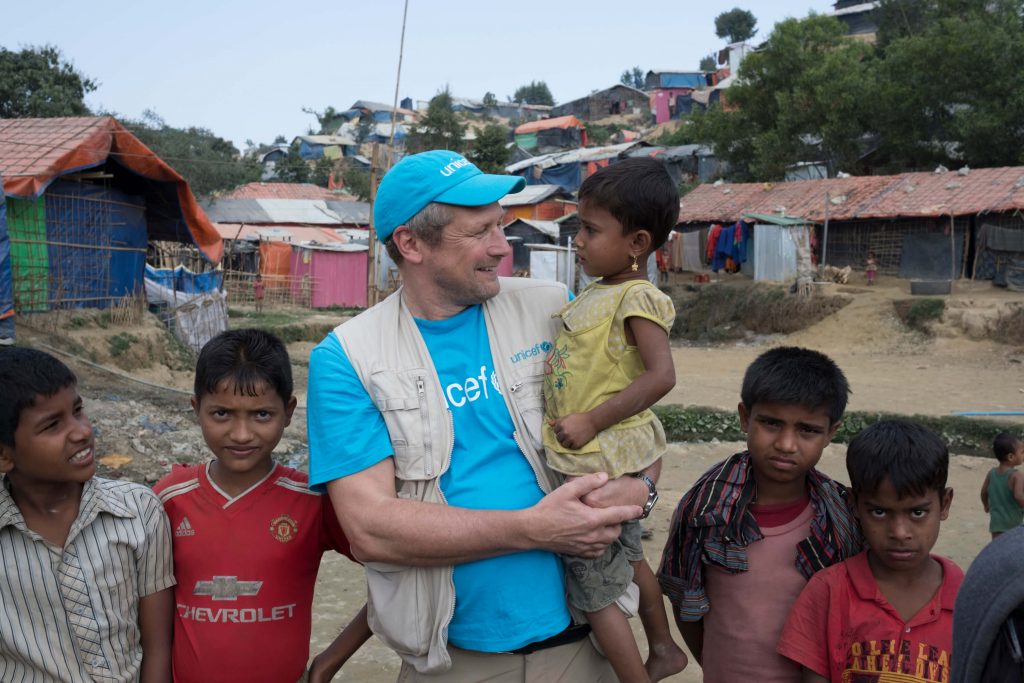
(652, 496)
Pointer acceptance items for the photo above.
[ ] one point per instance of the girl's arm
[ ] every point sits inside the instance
(658, 378)
(156, 622)
(984, 492)
(330, 661)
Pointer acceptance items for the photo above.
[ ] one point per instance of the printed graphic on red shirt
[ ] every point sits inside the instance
(895, 661)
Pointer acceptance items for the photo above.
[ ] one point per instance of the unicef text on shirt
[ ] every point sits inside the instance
(536, 349)
(459, 395)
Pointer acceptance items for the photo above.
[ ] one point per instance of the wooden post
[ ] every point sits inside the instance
(372, 293)
(952, 252)
(824, 238)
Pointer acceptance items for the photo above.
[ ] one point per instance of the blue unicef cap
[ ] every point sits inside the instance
(437, 176)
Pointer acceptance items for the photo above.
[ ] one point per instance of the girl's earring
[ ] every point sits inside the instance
(634, 267)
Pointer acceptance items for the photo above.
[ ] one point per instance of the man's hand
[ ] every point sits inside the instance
(625, 490)
(574, 430)
(561, 522)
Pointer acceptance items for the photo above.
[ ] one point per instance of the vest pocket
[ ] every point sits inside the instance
(399, 605)
(527, 393)
(403, 400)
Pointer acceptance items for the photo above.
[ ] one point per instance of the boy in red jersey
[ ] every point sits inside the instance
(248, 533)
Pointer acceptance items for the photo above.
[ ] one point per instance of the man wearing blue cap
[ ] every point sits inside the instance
(424, 418)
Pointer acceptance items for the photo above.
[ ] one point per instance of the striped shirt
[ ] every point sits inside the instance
(71, 614)
(713, 524)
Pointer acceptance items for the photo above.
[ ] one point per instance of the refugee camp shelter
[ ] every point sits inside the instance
(548, 135)
(567, 169)
(942, 225)
(84, 198)
(613, 101)
(265, 224)
(671, 92)
(537, 202)
(524, 231)
(782, 247)
(6, 288)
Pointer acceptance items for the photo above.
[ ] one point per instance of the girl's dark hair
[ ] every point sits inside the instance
(639, 193)
(790, 374)
(1004, 444)
(246, 358)
(26, 375)
(913, 458)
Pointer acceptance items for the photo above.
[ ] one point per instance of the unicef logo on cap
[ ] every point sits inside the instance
(454, 166)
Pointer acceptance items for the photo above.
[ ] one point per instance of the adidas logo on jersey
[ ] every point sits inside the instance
(184, 529)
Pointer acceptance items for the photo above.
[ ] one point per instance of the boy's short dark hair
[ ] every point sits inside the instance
(913, 458)
(639, 193)
(246, 358)
(26, 375)
(1004, 445)
(790, 374)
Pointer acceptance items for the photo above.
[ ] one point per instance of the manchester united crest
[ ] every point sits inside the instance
(284, 528)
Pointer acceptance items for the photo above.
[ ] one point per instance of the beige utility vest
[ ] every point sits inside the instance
(409, 608)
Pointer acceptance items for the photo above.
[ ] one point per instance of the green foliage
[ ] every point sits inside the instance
(602, 134)
(963, 436)
(120, 343)
(292, 168)
(917, 313)
(736, 25)
(328, 119)
(438, 128)
(536, 92)
(209, 163)
(490, 150)
(715, 313)
(633, 77)
(490, 100)
(708, 63)
(39, 82)
(806, 96)
(357, 182)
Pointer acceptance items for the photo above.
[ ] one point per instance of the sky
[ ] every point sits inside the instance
(246, 70)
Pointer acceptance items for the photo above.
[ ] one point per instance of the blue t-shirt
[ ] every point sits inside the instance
(503, 602)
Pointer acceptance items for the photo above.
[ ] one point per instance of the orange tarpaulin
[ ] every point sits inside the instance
(547, 124)
(35, 152)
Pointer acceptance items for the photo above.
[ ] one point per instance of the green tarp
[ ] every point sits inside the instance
(30, 263)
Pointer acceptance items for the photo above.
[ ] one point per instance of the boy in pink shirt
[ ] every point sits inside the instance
(887, 613)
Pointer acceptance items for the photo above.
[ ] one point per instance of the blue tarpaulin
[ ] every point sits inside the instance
(87, 271)
(182, 279)
(567, 176)
(6, 289)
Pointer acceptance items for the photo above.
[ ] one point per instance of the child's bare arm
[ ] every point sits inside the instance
(156, 622)
(658, 378)
(808, 676)
(1017, 486)
(326, 664)
(984, 494)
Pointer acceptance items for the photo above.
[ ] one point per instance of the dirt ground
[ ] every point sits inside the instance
(142, 429)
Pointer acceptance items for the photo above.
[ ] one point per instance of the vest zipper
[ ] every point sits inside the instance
(421, 391)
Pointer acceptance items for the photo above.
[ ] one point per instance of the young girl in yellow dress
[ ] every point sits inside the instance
(609, 365)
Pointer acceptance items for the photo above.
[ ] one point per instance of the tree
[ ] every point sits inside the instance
(209, 163)
(292, 168)
(327, 119)
(357, 182)
(633, 77)
(438, 128)
(38, 82)
(490, 150)
(708, 63)
(806, 96)
(736, 25)
(536, 92)
(490, 100)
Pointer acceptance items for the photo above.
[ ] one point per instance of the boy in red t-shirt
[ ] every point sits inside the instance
(888, 610)
(248, 533)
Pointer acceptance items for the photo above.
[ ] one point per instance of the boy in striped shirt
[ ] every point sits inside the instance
(751, 531)
(85, 592)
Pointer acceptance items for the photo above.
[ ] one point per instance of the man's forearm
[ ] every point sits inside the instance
(384, 528)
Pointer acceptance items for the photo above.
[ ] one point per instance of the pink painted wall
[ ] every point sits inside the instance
(338, 278)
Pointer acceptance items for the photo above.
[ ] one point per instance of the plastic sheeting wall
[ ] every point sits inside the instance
(775, 251)
(336, 278)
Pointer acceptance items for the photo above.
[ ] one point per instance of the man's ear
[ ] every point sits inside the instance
(408, 245)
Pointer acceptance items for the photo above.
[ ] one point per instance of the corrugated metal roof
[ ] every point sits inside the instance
(776, 220)
(531, 194)
(288, 211)
(549, 228)
(286, 191)
(573, 155)
(326, 140)
(295, 234)
(908, 195)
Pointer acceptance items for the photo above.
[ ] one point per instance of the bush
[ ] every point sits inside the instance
(1010, 328)
(964, 436)
(918, 313)
(720, 313)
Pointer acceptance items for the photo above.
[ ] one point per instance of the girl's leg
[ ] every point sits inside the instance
(664, 656)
